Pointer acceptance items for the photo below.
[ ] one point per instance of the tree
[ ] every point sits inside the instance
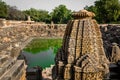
(92, 9)
(106, 10)
(15, 14)
(61, 14)
(44, 16)
(3, 9)
(38, 15)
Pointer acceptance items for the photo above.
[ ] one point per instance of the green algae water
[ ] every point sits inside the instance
(41, 52)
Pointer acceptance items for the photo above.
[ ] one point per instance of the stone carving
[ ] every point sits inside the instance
(115, 53)
(82, 50)
(77, 72)
(67, 74)
(70, 59)
(60, 69)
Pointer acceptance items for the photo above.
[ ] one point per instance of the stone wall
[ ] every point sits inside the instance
(12, 39)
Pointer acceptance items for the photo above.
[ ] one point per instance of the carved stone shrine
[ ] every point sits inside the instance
(81, 56)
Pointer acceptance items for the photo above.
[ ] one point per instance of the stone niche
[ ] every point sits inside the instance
(81, 56)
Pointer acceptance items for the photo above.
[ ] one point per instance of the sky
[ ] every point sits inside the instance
(49, 5)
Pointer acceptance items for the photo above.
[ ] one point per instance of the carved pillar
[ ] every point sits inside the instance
(68, 72)
(60, 70)
(77, 73)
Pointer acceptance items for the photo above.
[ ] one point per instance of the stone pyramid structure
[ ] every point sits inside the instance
(81, 56)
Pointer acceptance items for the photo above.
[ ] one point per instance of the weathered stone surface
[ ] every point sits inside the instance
(83, 14)
(47, 73)
(115, 53)
(34, 73)
(82, 52)
(13, 70)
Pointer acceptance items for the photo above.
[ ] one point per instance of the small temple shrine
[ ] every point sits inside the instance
(81, 56)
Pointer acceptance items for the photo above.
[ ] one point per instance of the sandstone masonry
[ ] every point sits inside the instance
(81, 56)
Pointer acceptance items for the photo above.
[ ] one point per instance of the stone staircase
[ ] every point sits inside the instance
(114, 71)
(11, 69)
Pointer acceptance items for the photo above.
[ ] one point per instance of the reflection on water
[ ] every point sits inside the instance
(43, 59)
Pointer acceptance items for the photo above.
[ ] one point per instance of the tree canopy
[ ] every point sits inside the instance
(3, 9)
(38, 15)
(106, 10)
(15, 14)
(61, 14)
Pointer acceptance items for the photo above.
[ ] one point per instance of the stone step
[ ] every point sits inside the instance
(114, 71)
(8, 62)
(114, 68)
(116, 77)
(6, 66)
(118, 63)
(113, 65)
(14, 71)
(3, 58)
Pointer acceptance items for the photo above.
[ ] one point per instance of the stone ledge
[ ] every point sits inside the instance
(14, 71)
(3, 58)
(6, 66)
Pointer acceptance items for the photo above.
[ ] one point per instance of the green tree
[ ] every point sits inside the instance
(3, 9)
(106, 10)
(15, 14)
(92, 9)
(38, 15)
(61, 14)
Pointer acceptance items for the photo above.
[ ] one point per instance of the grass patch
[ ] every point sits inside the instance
(38, 45)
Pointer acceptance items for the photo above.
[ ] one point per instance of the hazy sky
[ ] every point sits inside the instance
(49, 4)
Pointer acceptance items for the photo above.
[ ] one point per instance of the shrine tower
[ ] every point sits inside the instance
(81, 56)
